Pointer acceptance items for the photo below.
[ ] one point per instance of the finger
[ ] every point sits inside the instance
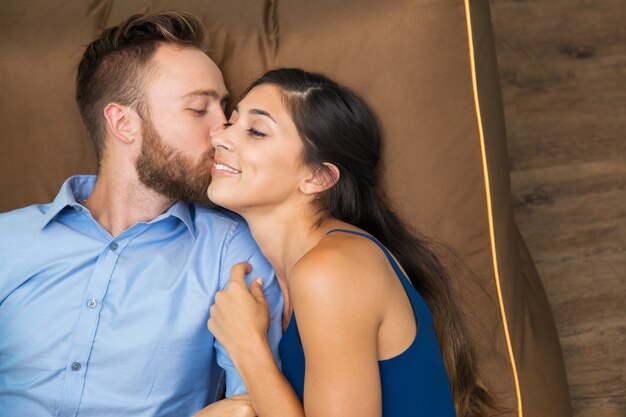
(256, 289)
(239, 271)
(213, 312)
(210, 324)
(240, 397)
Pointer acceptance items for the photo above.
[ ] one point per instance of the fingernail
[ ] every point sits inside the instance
(259, 281)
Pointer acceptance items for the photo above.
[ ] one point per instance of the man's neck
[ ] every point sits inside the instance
(119, 200)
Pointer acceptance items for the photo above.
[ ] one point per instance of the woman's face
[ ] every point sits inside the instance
(258, 158)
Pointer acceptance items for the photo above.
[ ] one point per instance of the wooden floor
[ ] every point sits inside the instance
(563, 76)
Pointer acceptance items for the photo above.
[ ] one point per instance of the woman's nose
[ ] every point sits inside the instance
(220, 140)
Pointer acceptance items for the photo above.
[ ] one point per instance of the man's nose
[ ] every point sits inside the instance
(217, 123)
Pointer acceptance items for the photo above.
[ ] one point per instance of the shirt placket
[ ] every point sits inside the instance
(80, 350)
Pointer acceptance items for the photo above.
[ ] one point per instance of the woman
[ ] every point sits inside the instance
(300, 161)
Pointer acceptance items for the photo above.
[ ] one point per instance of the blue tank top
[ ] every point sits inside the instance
(414, 383)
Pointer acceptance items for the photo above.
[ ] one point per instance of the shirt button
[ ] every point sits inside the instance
(75, 366)
(113, 246)
(92, 303)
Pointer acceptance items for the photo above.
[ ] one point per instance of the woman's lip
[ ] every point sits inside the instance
(224, 169)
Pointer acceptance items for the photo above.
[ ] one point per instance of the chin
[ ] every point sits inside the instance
(218, 198)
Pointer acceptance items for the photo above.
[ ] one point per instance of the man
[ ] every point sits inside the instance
(105, 292)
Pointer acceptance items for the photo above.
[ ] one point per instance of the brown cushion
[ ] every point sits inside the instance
(434, 88)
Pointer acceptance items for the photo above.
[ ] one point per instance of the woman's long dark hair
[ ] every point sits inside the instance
(337, 127)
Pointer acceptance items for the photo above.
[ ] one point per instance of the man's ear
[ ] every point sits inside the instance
(321, 179)
(122, 122)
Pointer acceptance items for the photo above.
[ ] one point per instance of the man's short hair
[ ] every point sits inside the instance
(115, 67)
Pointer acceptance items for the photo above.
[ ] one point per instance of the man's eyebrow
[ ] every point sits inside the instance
(257, 111)
(208, 93)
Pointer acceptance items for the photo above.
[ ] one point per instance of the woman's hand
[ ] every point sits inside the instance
(239, 319)
(235, 406)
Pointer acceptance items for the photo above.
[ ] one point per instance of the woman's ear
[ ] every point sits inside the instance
(122, 122)
(321, 179)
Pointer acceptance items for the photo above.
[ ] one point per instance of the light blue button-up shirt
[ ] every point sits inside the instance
(92, 325)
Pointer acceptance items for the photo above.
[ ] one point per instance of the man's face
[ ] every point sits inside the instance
(185, 102)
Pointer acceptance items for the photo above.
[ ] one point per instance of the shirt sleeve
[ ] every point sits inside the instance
(242, 247)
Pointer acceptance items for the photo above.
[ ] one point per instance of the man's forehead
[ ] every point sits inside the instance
(190, 71)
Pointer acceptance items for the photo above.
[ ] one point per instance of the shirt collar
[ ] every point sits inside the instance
(73, 190)
(77, 189)
(183, 211)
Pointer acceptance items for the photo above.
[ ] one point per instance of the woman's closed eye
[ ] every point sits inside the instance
(256, 133)
(251, 131)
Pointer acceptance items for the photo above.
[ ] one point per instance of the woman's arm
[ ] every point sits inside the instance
(239, 319)
(242, 247)
(338, 314)
(235, 406)
(338, 326)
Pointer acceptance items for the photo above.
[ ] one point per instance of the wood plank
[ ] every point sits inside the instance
(606, 406)
(561, 63)
(562, 72)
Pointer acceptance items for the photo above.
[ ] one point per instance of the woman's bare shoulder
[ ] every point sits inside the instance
(341, 267)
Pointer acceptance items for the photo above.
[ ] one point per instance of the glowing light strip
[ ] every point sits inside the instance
(489, 208)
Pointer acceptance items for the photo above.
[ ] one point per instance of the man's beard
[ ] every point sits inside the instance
(168, 171)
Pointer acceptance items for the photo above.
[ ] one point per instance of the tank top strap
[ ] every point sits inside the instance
(416, 299)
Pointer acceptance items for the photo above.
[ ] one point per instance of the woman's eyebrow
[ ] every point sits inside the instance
(261, 113)
(257, 112)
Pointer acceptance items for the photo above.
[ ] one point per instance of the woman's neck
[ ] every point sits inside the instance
(284, 236)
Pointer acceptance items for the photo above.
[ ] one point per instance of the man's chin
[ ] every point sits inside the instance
(174, 177)
(191, 193)
(177, 189)
(202, 201)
